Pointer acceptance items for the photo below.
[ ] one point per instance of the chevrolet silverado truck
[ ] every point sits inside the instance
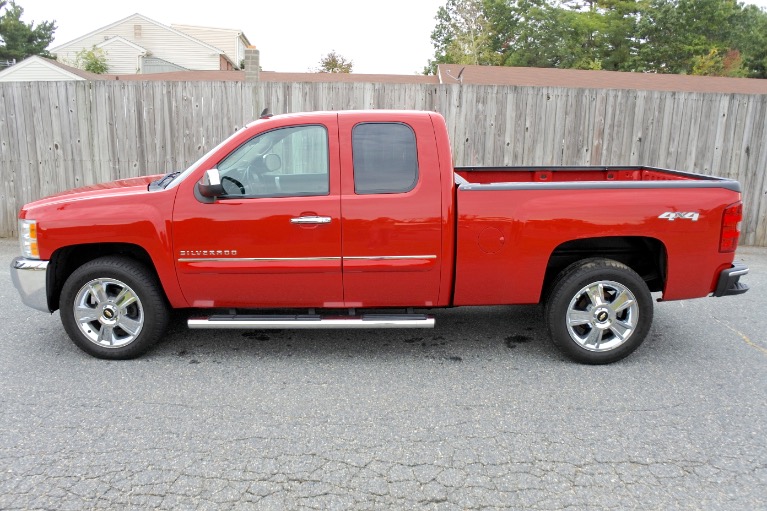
(357, 219)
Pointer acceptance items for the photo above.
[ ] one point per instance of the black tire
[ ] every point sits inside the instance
(599, 325)
(113, 308)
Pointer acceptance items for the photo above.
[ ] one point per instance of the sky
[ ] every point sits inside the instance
(389, 36)
(381, 37)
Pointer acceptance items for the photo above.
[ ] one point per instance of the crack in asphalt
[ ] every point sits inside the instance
(357, 477)
(743, 336)
(481, 415)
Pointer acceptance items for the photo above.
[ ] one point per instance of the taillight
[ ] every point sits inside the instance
(731, 218)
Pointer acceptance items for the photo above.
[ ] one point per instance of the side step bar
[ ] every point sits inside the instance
(306, 321)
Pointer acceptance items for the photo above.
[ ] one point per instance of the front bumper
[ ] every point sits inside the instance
(729, 281)
(29, 277)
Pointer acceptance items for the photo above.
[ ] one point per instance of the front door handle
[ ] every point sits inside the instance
(310, 220)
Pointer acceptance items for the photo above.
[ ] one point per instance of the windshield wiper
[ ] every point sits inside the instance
(164, 181)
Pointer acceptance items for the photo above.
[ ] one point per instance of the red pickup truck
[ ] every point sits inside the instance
(358, 219)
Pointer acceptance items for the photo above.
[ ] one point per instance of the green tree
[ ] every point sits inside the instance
(536, 33)
(533, 34)
(19, 39)
(597, 34)
(619, 39)
(93, 60)
(335, 63)
(715, 64)
(583, 28)
(464, 34)
(662, 36)
(677, 34)
(751, 40)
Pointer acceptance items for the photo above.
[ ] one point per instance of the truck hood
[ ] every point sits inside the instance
(102, 190)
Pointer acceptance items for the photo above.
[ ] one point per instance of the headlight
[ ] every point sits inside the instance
(28, 239)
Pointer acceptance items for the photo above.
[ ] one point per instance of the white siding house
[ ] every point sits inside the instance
(123, 56)
(154, 38)
(39, 69)
(233, 42)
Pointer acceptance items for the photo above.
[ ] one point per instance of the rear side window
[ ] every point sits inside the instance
(385, 158)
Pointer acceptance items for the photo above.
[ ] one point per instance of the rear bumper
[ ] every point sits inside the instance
(729, 281)
(29, 276)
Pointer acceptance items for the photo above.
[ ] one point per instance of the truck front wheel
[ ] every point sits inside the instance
(113, 308)
(599, 311)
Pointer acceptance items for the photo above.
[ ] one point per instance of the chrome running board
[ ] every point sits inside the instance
(307, 321)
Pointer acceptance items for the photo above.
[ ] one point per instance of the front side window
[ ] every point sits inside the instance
(385, 158)
(288, 161)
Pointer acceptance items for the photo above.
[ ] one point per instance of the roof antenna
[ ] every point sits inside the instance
(265, 114)
(460, 80)
(456, 78)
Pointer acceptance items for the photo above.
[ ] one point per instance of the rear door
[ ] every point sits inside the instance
(391, 203)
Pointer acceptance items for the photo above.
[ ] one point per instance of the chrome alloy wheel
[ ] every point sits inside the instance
(602, 315)
(108, 312)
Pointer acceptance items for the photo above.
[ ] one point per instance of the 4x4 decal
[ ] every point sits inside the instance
(673, 215)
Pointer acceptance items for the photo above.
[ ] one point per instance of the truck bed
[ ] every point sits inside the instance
(577, 177)
(508, 216)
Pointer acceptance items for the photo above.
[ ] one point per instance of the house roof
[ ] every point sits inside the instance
(494, 75)
(71, 69)
(148, 20)
(272, 76)
(121, 40)
(475, 75)
(62, 70)
(576, 78)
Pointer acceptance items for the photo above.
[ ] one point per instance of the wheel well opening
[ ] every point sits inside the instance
(66, 260)
(646, 256)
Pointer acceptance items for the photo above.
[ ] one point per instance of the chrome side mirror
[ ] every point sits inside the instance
(210, 184)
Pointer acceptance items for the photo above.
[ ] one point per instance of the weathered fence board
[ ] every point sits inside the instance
(59, 135)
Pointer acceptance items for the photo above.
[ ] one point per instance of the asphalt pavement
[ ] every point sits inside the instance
(480, 413)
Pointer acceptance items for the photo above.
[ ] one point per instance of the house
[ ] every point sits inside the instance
(140, 45)
(39, 69)
(123, 56)
(232, 42)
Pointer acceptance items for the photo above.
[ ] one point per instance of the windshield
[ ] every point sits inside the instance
(181, 176)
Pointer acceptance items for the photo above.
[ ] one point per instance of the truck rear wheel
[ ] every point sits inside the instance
(113, 308)
(599, 311)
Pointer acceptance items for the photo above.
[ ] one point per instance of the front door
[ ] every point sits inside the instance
(275, 238)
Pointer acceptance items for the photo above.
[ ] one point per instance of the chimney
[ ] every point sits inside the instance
(252, 61)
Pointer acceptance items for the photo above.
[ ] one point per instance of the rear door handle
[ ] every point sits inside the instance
(310, 220)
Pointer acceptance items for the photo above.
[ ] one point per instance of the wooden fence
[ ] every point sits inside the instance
(59, 135)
